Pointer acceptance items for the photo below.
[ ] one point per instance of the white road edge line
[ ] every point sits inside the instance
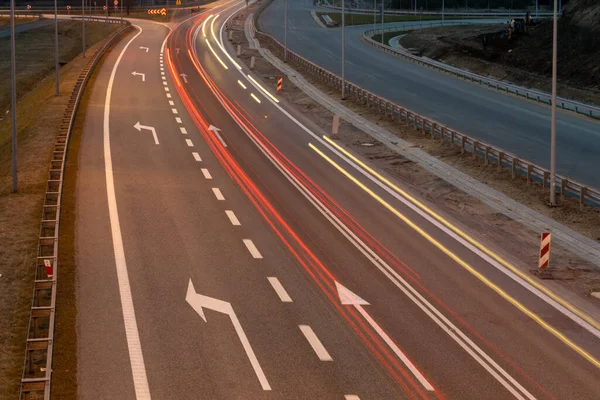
(196, 156)
(280, 290)
(315, 343)
(232, 218)
(252, 248)
(206, 173)
(138, 368)
(218, 194)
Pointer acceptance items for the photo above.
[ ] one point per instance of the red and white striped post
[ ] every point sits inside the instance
(544, 262)
(48, 267)
(279, 84)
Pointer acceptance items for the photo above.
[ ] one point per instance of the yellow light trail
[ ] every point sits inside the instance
(462, 263)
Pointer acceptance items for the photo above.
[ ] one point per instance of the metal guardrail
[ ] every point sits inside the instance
(371, 11)
(491, 155)
(531, 94)
(37, 370)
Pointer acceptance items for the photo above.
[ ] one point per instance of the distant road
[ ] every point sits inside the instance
(518, 126)
(35, 24)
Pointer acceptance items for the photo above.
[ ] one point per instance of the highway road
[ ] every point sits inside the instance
(227, 250)
(515, 125)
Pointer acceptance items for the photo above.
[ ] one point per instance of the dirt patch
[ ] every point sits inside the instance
(526, 59)
(496, 230)
(39, 113)
(5, 21)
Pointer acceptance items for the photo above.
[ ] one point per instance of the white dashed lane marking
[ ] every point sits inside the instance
(165, 83)
(168, 95)
(218, 194)
(189, 143)
(174, 111)
(255, 98)
(178, 120)
(196, 156)
(171, 103)
(232, 218)
(252, 248)
(315, 343)
(206, 174)
(183, 130)
(280, 290)
(166, 89)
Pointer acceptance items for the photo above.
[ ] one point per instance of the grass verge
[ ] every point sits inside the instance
(387, 36)
(39, 113)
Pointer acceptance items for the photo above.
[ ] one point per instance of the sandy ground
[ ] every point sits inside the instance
(462, 47)
(38, 118)
(494, 229)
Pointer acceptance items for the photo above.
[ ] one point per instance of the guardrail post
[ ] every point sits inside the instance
(230, 36)
(500, 157)
(529, 170)
(582, 193)
(487, 153)
(475, 144)
(239, 50)
(252, 61)
(546, 178)
(463, 140)
(335, 127)
(563, 187)
(514, 167)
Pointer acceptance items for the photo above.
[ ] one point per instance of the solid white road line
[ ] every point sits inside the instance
(232, 218)
(171, 103)
(197, 156)
(178, 120)
(206, 173)
(315, 343)
(252, 248)
(255, 98)
(136, 358)
(218, 194)
(241, 84)
(174, 111)
(183, 130)
(279, 289)
(189, 142)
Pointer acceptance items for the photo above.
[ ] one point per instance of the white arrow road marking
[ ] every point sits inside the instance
(216, 132)
(200, 302)
(351, 299)
(140, 74)
(177, 49)
(184, 77)
(139, 127)
(144, 48)
(315, 343)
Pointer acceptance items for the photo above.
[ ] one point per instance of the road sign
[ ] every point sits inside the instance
(29, 6)
(68, 7)
(48, 267)
(104, 8)
(178, 2)
(116, 2)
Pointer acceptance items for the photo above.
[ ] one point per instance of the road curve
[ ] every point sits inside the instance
(513, 124)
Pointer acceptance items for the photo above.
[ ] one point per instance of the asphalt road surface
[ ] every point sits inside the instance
(513, 124)
(226, 250)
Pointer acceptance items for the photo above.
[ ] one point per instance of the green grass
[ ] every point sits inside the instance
(364, 19)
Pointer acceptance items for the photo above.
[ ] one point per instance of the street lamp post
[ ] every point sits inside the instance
(443, 9)
(343, 49)
(83, 25)
(13, 85)
(56, 43)
(285, 32)
(382, 18)
(553, 128)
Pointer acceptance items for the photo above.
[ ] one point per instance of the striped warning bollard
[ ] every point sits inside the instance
(544, 262)
(279, 84)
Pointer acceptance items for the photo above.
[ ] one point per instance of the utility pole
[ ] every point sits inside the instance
(537, 8)
(343, 49)
(83, 25)
(374, 15)
(56, 44)
(443, 9)
(285, 32)
(553, 128)
(13, 85)
(106, 17)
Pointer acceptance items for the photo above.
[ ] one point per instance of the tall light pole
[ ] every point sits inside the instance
(106, 16)
(83, 25)
(382, 18)
(285, 51)
(553, 129)
(343, 49)
(56, 44)
(13, 86)
(537, 8)
(443, 9)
